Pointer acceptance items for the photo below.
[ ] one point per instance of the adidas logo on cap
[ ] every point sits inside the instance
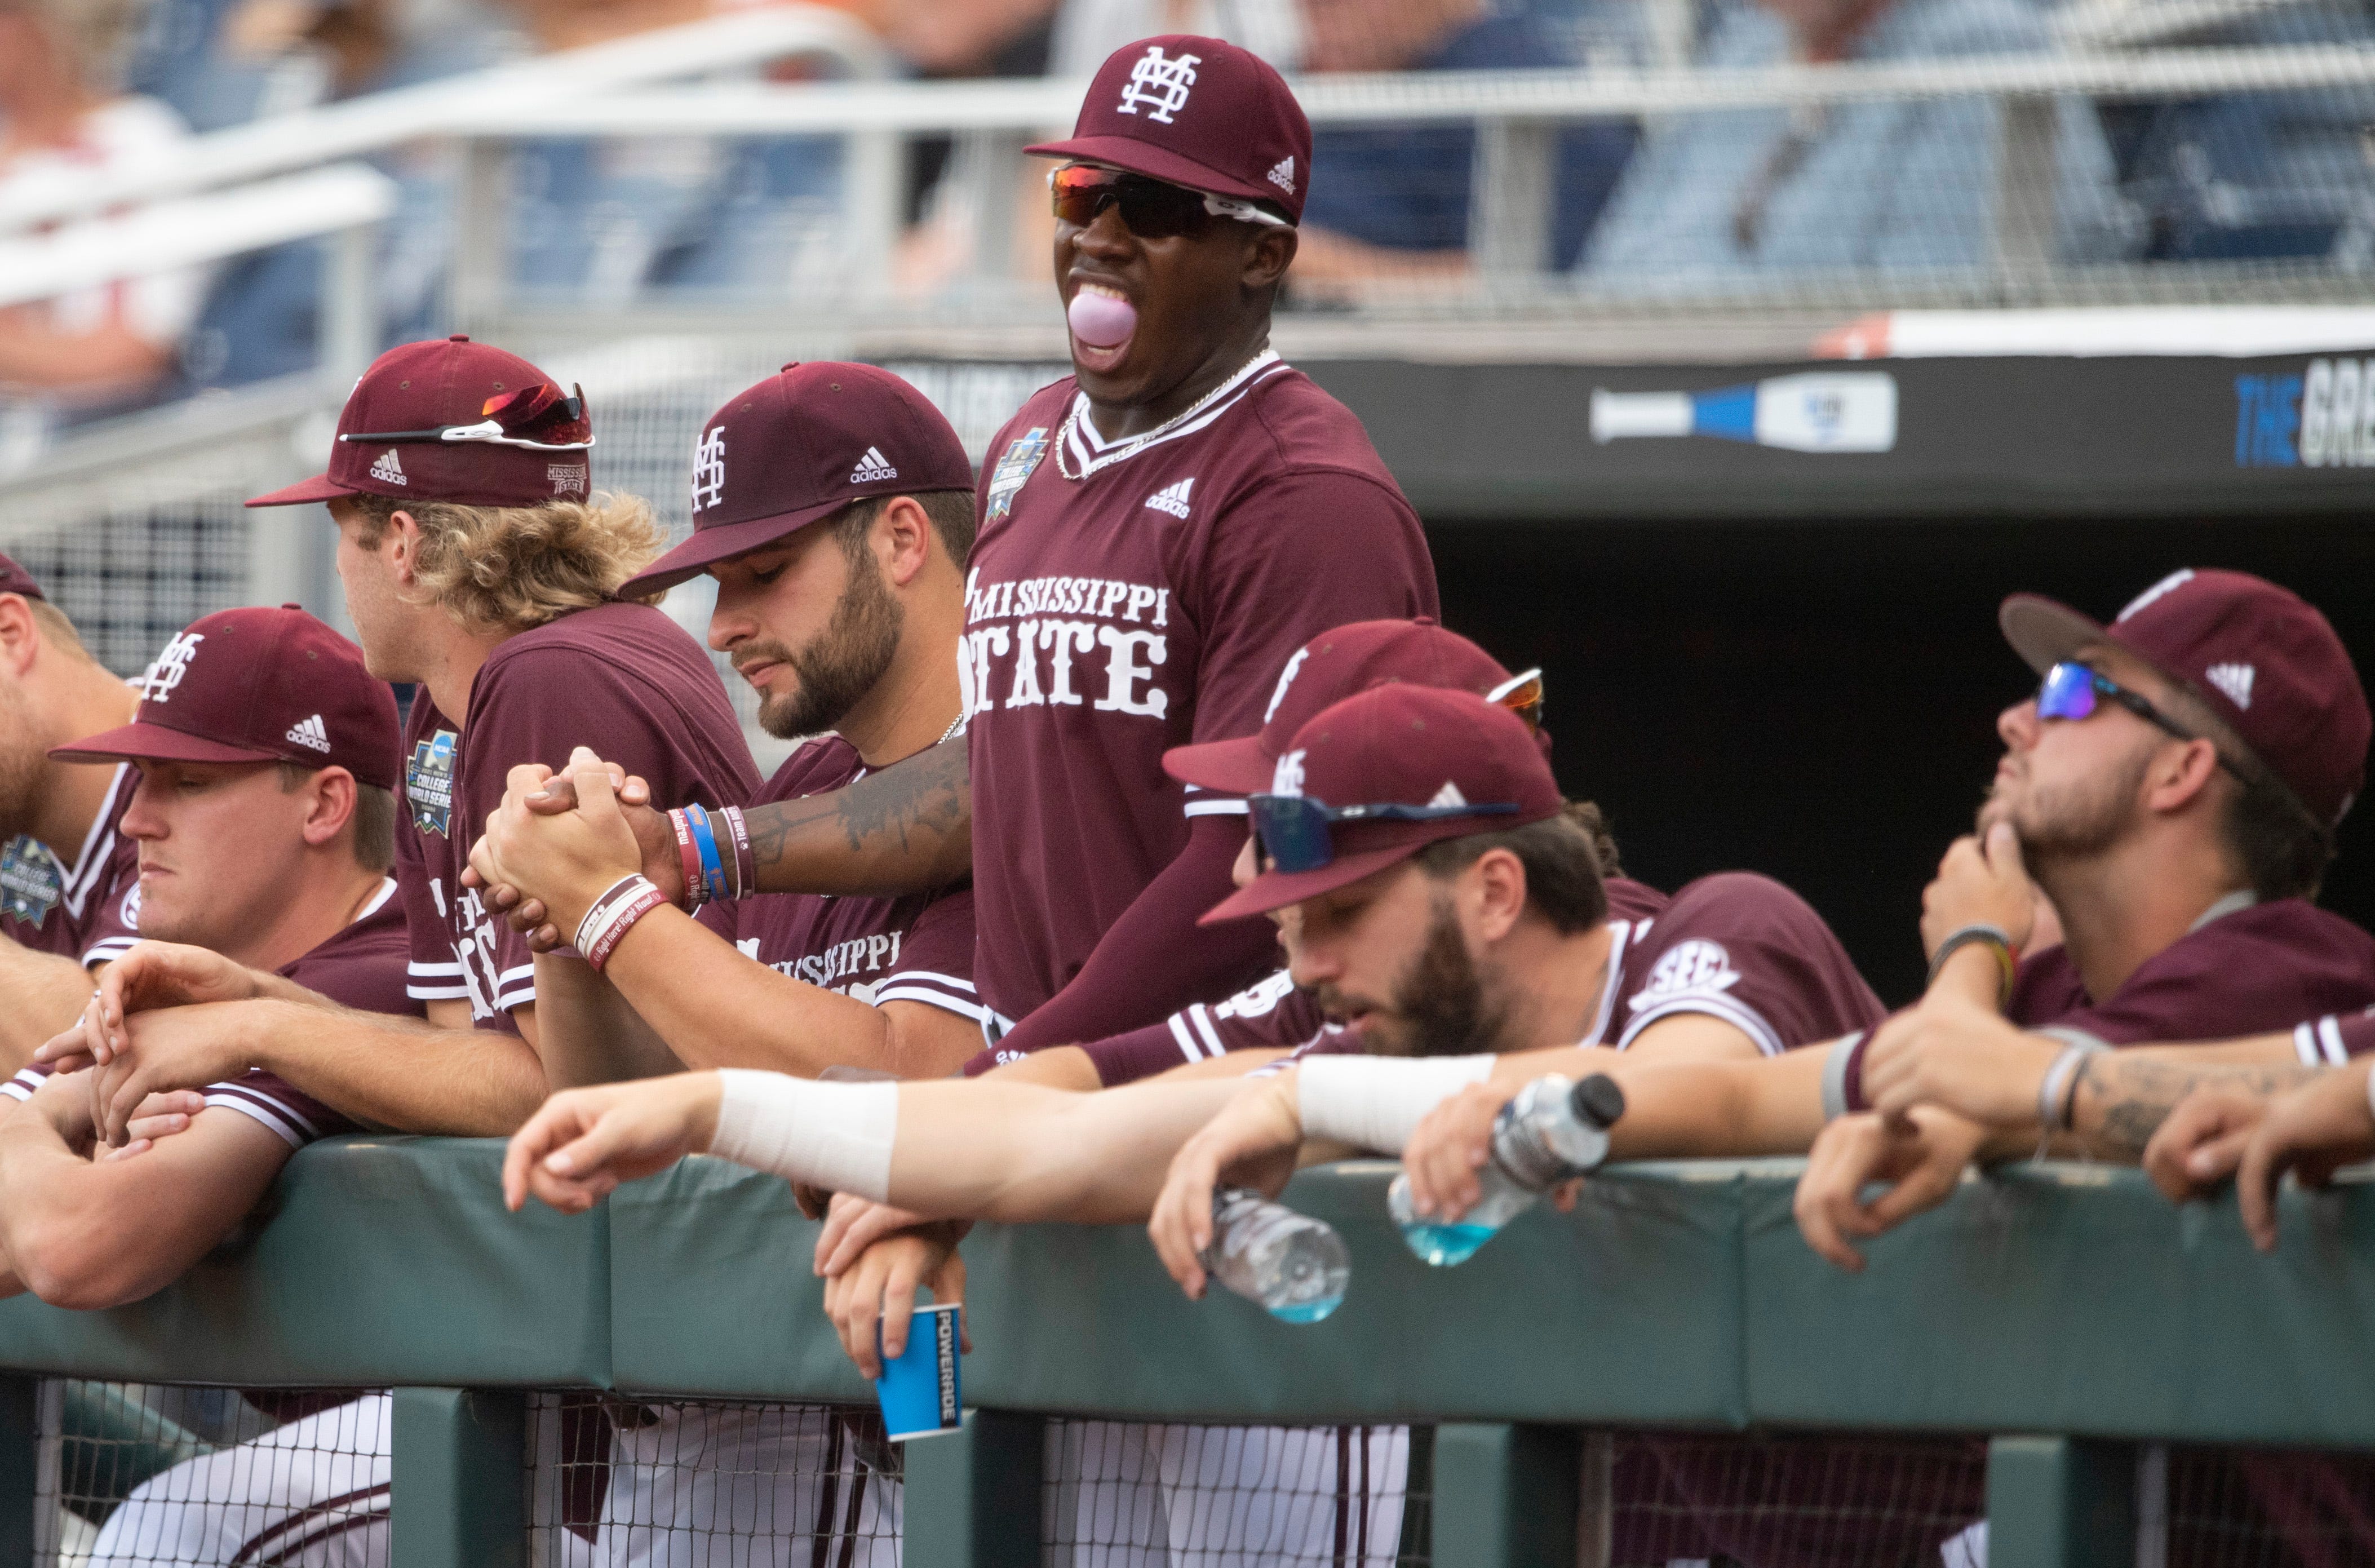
(872, 467)
(1281, 174)
(311, 732)
(2235, 680)
(1172, 499)
(387, 470)
(1449, 795)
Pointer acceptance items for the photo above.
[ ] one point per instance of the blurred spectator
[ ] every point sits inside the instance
(597, 220)
(1390, 201)
(1751, 195)
(63, 120)
(2253, 175)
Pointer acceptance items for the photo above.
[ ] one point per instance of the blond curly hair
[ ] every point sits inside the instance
(513, 568)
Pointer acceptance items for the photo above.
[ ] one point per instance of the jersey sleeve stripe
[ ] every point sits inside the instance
(2307, 1045)
(1746, 1019)
(931, 976)
(437, 993)
(508, 976)
(2329, 1034)
(431, 969)
(516, 996)
(109, 949)
(1188, 1046)
(22, 1086)
(294, 1130)
(1203, 1018)
(929, 998)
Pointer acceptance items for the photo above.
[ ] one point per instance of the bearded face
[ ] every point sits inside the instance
(840, 664)
(1442, 1004)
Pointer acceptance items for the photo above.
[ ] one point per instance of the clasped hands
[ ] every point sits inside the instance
(560, 839)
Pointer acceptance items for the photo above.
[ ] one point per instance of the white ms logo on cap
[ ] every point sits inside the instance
(171, 665)
(1285, 680)
(1161, 83)
(1287, 777)
(2233, 679)
(709, 469)
(2161, 589)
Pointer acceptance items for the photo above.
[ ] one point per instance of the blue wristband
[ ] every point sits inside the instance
(704, 839)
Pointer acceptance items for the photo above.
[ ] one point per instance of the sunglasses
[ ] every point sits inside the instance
(1522, 695)
(1294, 830)
(1151, 209)
(536, 418)
(2070, 689)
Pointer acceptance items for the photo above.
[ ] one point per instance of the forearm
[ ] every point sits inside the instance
(2121, 1097)
(586, 1032)
(45, 995)
(395, 1073)
(717, 1008)
(1019, 1154)
(1155, 960)
(1720, 1110)
(906, 829)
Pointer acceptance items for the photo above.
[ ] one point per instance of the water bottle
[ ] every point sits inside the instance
(1292, 1264)
(1552, 1132)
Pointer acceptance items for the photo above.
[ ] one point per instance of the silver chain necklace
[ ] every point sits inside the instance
(954, 725)
(1066, 434)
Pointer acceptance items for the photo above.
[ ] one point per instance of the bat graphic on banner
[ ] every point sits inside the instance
(1817, 411)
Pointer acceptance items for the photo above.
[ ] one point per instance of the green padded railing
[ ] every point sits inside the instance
(2067, 1308)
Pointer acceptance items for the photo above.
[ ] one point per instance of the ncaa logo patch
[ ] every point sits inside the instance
(429, 783)
(1697, 965)
(31, 882)
(1015, 466)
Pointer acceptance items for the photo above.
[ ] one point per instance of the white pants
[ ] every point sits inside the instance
(1176, 1496)
(737, 1487)
(310, 1494)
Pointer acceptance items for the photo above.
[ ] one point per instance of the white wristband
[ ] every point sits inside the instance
(1377, 1102)
(836, 1136)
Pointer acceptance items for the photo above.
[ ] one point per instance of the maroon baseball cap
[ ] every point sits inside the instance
(799, 447)
(459, 421)
(14, 579)
(1196, 111)
(2262, 659)
(1331, 666)
(257, 685)
(1402, 745)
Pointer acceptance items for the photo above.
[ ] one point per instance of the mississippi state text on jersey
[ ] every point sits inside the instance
(1128, 597)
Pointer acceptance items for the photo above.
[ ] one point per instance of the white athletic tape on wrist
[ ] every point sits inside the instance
(1377, 1102)
(836, 1136)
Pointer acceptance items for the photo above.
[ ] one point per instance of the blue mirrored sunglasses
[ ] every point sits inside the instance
(2070, 689)
(1295, 829)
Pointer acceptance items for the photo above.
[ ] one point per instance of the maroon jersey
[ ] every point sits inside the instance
(2333, 1040)
(361, 966)
(915, 949)
(1272, 1014)
(86, 911)
(2244, 969)
(621, 679)
(1125, 598)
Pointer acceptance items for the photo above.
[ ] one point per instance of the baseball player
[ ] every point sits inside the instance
(478, 563)
(263, 818)
(834, 505)
(67, 883)
(1158, 532)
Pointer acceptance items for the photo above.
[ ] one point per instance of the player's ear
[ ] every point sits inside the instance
(1269, 254)
(329, 805)
(1500, 893)
(902, 539)
(20, 636)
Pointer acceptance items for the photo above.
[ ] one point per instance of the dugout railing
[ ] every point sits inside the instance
(2064, 1314)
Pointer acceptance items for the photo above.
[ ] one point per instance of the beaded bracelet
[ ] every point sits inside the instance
(611, 916)
(746, 864)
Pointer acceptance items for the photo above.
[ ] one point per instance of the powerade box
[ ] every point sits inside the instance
(920, 1392)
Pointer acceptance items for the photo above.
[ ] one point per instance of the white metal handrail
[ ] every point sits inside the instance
(373, 123)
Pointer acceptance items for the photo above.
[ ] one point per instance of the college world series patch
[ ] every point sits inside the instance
(31, 882)
(1014, 466)
(429, 781)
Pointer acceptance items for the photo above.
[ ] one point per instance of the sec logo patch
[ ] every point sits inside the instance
(1696, 965)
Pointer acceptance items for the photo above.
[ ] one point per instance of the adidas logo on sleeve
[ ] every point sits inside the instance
(387, 470)
(872, 467)
(311, 732)
(1172, 499)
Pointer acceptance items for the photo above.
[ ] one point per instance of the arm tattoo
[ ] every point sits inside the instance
(905, 829)
(2131, 1099)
